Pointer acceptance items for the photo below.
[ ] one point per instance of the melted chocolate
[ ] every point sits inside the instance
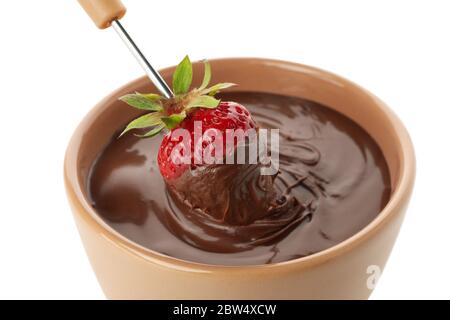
(333, 181)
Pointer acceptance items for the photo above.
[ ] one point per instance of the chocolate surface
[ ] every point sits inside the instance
(333, 181)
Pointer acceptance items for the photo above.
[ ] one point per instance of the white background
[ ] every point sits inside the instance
(55, 65)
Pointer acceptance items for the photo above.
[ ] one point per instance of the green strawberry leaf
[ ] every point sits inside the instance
(182, 78)
(216, 88)
(140, 101)
(207, 75)
(151, 96)
(145, 121)
(203, 102)
(173, 120)
(152, 132)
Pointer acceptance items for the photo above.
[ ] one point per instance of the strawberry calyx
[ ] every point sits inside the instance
(166, 113)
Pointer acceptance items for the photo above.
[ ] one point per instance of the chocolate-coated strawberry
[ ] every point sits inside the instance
(220, 193)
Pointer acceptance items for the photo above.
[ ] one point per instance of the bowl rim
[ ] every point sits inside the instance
(399, 196)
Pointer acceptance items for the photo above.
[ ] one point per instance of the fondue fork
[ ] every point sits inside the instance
(107, 13)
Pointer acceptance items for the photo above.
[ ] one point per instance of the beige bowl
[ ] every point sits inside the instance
(127, 270)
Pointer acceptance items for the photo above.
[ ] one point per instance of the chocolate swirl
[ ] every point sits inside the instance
(234, 207)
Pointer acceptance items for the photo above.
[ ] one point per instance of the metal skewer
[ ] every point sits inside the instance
(154, 75)
(106, 13)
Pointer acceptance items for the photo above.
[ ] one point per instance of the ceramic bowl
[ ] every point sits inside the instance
(348, 270)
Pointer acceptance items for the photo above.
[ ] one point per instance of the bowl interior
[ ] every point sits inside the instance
(257, 75)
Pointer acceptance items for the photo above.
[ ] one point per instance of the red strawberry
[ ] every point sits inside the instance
(183, 111)
(228, 115)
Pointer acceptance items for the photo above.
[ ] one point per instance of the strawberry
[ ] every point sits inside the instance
(184, 110)
(227, 115)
